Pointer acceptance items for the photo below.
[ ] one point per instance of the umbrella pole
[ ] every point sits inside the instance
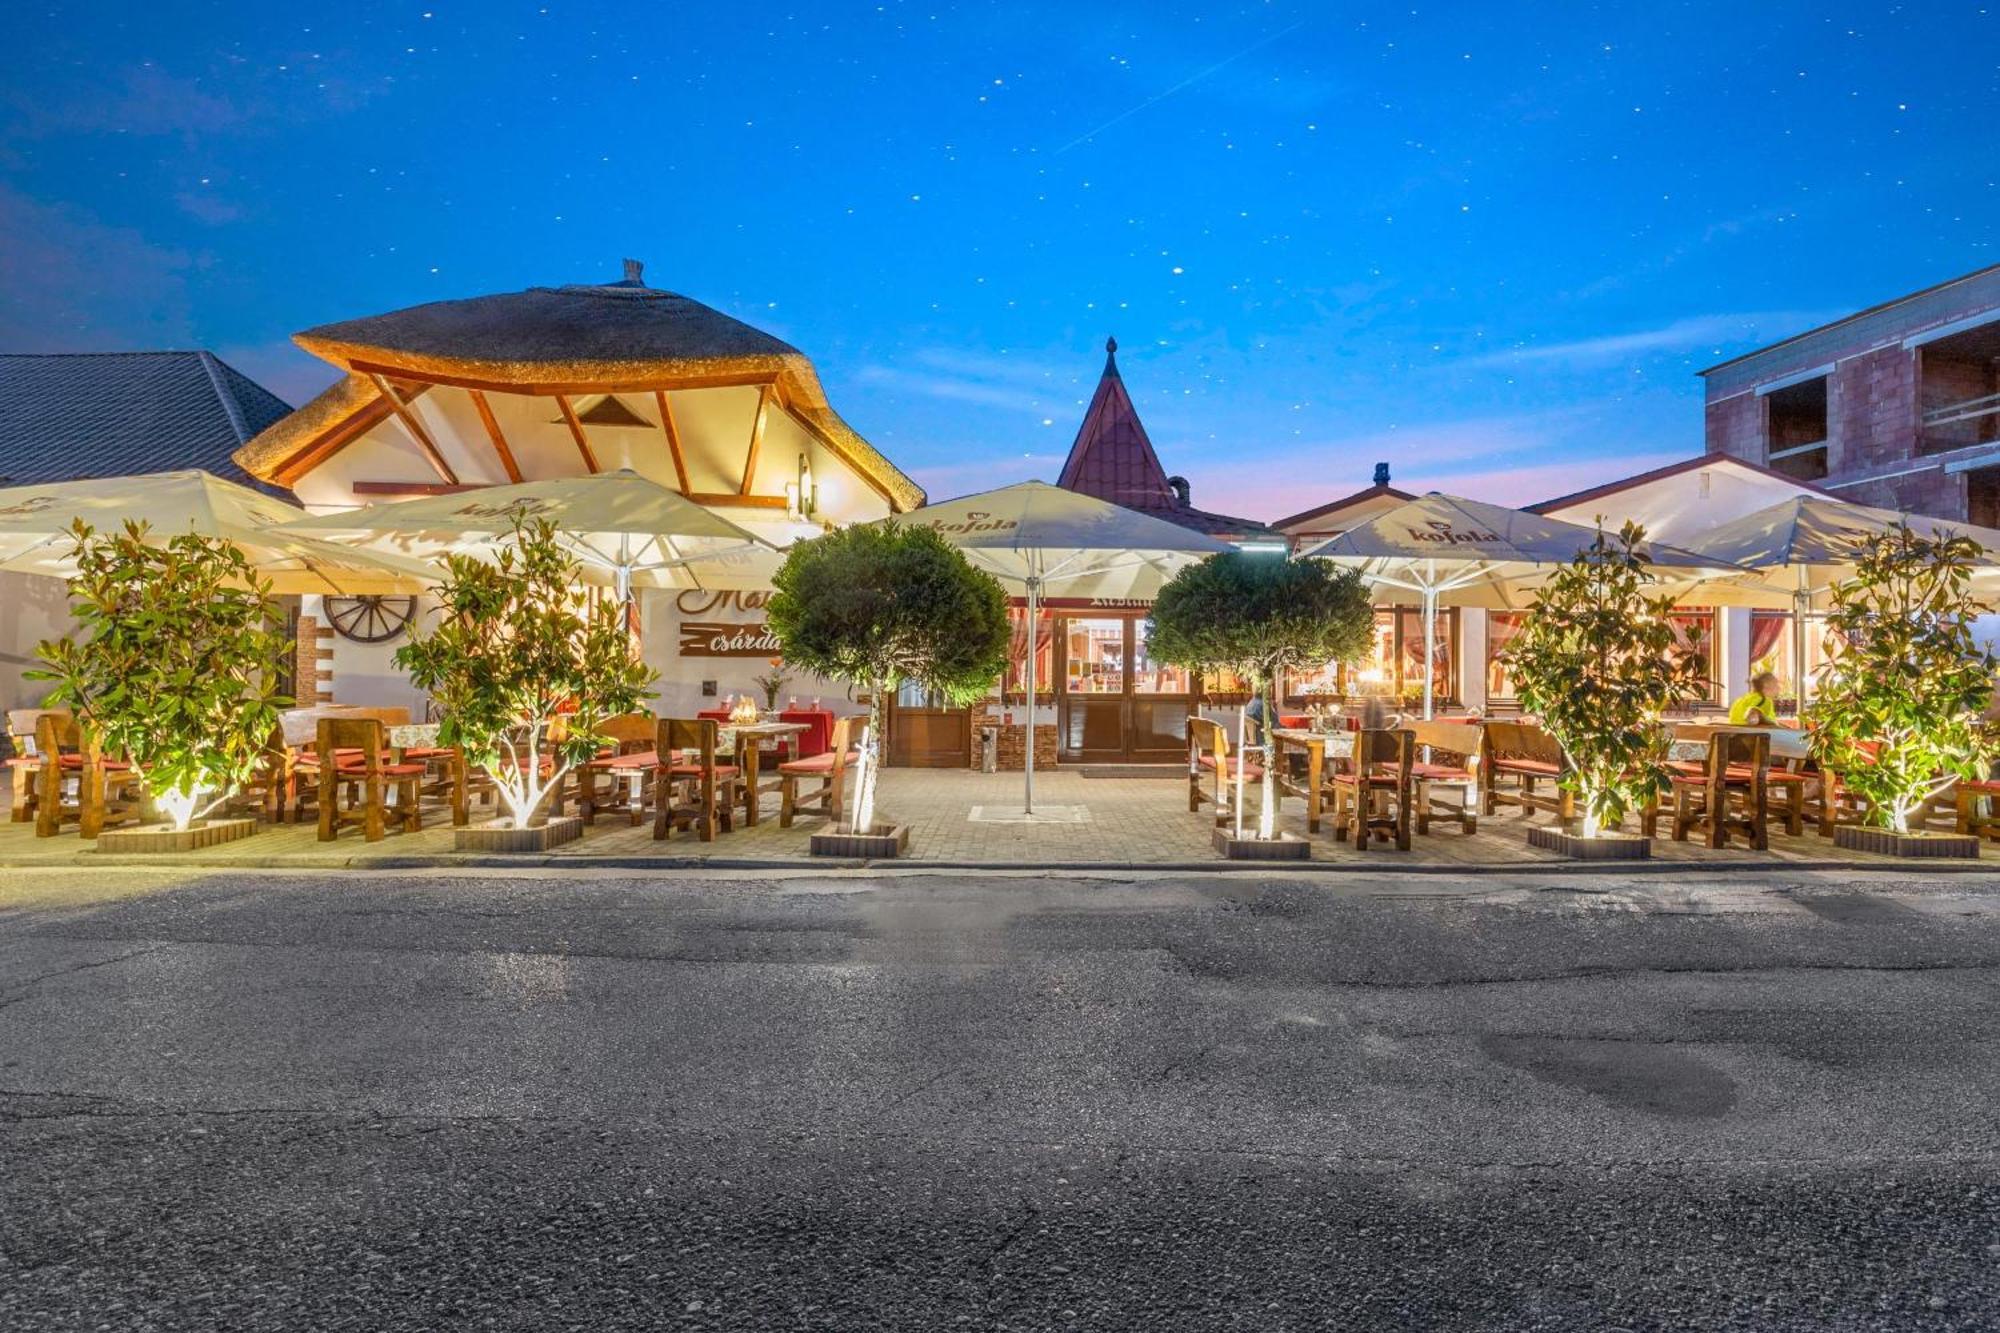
(1801, 600)
(1430, 645)
(1028, 752)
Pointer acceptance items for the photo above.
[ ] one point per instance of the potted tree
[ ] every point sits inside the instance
(1597, 660)
(877, 605)
(524, 669)
(1899, 713)
(173, 668)
(1258, 615)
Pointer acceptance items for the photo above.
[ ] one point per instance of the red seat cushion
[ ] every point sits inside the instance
(25, 761)
(416, 752)
(1250, 771)
(359, 770)
(637, 759)
(1440, 773)
(818, 763)
(694, 770)
(1539, 768)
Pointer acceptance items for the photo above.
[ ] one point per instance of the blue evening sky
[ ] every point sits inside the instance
(1489, 243)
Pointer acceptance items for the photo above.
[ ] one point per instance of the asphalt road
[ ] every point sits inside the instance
(930, 1102)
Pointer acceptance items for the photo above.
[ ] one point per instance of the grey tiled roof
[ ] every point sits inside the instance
(69, 416)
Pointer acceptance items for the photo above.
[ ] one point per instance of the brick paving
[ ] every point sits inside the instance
(1128, 821)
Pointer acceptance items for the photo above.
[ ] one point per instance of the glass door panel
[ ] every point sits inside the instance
(1095, 656)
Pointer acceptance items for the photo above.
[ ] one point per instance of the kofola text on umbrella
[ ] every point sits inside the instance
(975, 521)
(1441, 531)
(34, 504)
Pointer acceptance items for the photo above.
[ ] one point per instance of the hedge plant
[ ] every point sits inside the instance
(525, 667)
(174, 665)
(1597, 661)
(1899, 712)
(881, 604)
(1258, 615)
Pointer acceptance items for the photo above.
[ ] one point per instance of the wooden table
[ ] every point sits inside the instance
(1690, 742)
(747, 741)
(1319, 747)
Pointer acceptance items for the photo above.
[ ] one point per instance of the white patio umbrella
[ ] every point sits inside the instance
(1033, 536)
(1451, 551)
(35, 531)
(625, 528)
(1800, 547)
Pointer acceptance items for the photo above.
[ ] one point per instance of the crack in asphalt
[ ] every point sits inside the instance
(17, 991)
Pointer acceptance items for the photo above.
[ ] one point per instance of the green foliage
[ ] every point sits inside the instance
(1597, 660)
(1899, 712)
(881, 604)
(1259, 614)
(175, 663)
(517, 645)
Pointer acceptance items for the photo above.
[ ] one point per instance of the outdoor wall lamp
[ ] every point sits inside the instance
(802, 496)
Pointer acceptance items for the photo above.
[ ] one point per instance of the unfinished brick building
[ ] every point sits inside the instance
(1897, 406)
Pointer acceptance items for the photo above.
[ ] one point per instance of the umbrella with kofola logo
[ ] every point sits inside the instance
(35, 536)
(1033, 536)
(1442, 550)
(626, 529)
(1800, 547)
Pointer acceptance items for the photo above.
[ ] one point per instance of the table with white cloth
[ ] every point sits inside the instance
(1690, 742)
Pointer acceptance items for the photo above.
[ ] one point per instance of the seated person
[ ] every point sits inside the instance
(1758, 708)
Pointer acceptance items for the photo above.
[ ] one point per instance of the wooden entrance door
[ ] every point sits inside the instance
(1115, 705)
(924, 732)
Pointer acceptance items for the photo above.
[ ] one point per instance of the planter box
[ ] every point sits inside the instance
(1617, 847)
(496, 837)
(883, 840)
(1884, 842)
(1284, 847)
(163, 838)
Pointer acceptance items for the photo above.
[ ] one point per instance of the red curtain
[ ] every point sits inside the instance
(1017, 651)
(1767, 631)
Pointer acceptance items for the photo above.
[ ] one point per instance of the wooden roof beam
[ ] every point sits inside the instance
(416, 429)
(756, 439)
(494, 433)
(576, 433)
(572, 389)
(673, 434)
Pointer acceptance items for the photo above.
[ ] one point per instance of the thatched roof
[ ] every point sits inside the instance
(623, 333)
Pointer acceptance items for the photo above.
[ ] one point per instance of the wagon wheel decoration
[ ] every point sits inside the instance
(370, 619)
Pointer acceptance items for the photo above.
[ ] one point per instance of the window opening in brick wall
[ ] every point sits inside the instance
(1795, 429)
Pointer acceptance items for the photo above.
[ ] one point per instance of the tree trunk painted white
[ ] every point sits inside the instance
(870, 762)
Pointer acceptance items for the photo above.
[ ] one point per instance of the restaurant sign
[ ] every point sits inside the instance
(725, 638)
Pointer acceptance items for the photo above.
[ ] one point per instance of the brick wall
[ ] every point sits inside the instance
(1931, 491)
(1949, 380)
(1012, 749)
(1735, 427)
(1872, 411)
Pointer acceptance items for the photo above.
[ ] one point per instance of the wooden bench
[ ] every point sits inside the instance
(1448, 757)
(1378, 775)
(829, 768)
(1726, 793)
(1515, 758)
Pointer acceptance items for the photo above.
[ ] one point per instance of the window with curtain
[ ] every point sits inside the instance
(1016, 680)
(1501, 627)
(1771, 650)
(1694, 635)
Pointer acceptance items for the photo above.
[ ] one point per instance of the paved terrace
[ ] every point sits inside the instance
(1122, 821)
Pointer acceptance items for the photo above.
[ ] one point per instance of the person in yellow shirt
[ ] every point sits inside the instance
(1757, 708)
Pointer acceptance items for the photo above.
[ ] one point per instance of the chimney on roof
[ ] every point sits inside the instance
(1381, 474)
(1179, 486)
(633, 268)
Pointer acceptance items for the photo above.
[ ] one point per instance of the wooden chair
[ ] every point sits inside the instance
(1208, 758)
(24, 765)
(1449, 762)
(350, 758)
(77, 783)
(621, 780)
(1727, 792)
(1967, 799)
(299, 763)
(696, 791)
(1515, 757)
(829, 767)
(1380, 772)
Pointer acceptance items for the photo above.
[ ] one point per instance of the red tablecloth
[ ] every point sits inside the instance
(818, 736)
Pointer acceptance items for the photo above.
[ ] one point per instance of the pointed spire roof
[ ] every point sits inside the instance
(1112, 458)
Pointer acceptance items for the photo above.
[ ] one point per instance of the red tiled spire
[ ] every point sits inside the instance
(1112, 459)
